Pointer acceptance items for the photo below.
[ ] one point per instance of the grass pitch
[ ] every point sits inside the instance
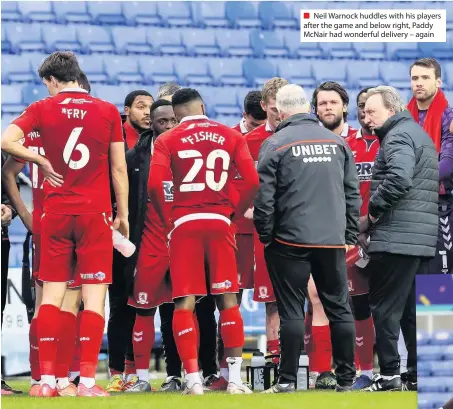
(156, 400)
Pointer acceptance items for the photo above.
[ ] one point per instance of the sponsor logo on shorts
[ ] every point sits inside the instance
(263, 292)
(84, 338)
(142, 298)
(70, 282)
(185, 331)
(225, 284)
(93, 276)
(225, 324)
(169, 190)
(46, 339)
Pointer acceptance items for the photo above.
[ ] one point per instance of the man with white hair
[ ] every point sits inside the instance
(402, 226)
(307, 216)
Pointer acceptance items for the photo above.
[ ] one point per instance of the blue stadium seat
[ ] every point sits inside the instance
(343, 5)
(298, 49)
(227, 71)
(443, 368)
(330, 71)
(60, 38)
(446, 5)
(131, 40)
(423, 338)
(33, 92)
(227, 120)
(111, 93)
(395, 74)
(24, 37)
(402, 51)
(407, 5)
(6, 120)
(208, 94)
(442, 338)
(122, 69)
(12, 99)
(241, 93)
(166, 41)
(71, 12)
(141, 13)
(37, 11)
(298, 72)
(200, 42)
(106, 12)
(447, 74)
(257, 72)
(16, 68)
(338, 50)
(6, 45)
(430, 353)
(243, 14)
(370, 51)
(376, 5)
(432, 400)
(95, 39)
(157, 69)
(406, 95)
(431, 385)
(423, 368)
(175, 13)
(193, 71)
(448, 382)
(35, 62)
(235, 43)
(449, 96)
(93, 67)
(10, 11)
(226, 103)
(211, 14)
(363, 74)
(275, 14)
(268, 44)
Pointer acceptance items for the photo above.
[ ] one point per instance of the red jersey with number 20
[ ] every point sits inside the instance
(76, 131)
(365, 149)
(203, 155)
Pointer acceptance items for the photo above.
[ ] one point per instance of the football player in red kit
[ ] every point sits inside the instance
(152, 286)
(201, 154)
(80, 135)
(263, 291)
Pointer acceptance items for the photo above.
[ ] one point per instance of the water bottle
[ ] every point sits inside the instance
(123, 245)
(258, 364)
(302, 373)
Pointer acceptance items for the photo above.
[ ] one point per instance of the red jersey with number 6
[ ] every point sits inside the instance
(203, 155)
(76, 130)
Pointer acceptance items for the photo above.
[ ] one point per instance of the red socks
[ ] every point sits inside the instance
(143, 340)
(91, 332)
(34, 351)
(129, 368)
(75, 364)
(66, 343)
(321, 355)
(232, 328)
(185, 334)
(48, 325)
(273, 346)
(364, 343)
(308, 343)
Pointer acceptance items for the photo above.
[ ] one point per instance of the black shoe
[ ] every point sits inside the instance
(339, 388)
(171, 384)
(6, 388)
(409, 381)
(385, 385)
(326, 380)
(278, 388)
(76, 380)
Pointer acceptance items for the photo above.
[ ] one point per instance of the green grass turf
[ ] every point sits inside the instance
(308, 400)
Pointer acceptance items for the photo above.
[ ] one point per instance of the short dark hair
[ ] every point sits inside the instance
(167, 89)
(331, 86)
(159, 103)
(252, 105)
(62, 65)
(130, 98)
(83, 82)
(184, 96)
(428, 63)
(362, 91)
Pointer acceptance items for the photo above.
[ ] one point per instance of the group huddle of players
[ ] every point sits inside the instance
(201, 187)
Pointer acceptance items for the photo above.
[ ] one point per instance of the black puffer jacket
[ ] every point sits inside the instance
(404, 189)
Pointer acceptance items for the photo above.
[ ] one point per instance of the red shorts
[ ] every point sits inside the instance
(152, 284)
(358, 281)
(87, 237)
(192, 242)
(245, 260)
(263, 291)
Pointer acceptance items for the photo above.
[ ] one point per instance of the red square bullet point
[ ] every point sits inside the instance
(306, 15)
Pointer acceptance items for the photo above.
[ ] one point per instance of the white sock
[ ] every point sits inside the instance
(193, 378)
(143, 374)
(402, 350)
(234, 369)
(33, 382)
(63, 382)
(73, 375)
(389, 378)
(368, 373)
(130, 376)
(88, 382)
(224, 373)
(49, 379)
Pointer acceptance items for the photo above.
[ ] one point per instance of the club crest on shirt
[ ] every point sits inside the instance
(142, 298)
(169, 191)
(263, 293)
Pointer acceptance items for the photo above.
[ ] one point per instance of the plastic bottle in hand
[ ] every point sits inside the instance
(123, 245)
